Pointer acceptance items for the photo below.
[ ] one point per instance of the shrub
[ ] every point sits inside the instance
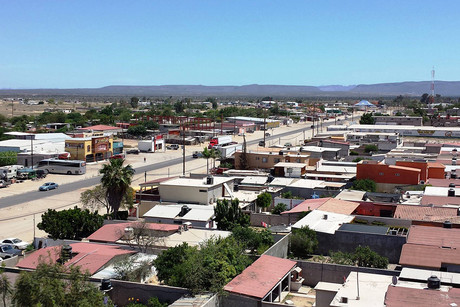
(354, 153)
(302, 242)
(371, 147)
(367, 185)
(279, 208)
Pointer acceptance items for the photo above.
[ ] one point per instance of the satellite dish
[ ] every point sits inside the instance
(394, 280)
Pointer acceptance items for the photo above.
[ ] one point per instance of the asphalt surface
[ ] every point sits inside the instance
(69, 187)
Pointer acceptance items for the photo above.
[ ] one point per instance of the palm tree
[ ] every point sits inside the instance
(117, 180)
(207, 154)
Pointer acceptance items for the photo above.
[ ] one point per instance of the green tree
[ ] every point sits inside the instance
(6, 288)
(302, 242)
(208, 153)
(279, 208)
(367, 185)
(8, 158)
(72, 224)
(57, 285)
(370, 148)
(255, 241)
(179, 107)
(203, 269)
(264, 200)
(367, 119)
(138, 130)
(228, 215)
(365, 257)
(134, 102)
(116, 178)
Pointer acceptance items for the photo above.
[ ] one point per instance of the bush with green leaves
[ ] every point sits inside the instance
(8, 158)
(71, 224)
(204, 269)
(371, 148)
(367, 185)
(264, 200)
(279, 208)
(57, 285)
(254, 240)
(302, 242)
(228, 215)
(363, 256)
(367, 119)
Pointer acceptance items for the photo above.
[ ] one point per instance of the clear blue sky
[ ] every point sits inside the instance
(69, 44)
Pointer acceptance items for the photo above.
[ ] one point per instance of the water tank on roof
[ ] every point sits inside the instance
(447, 224)
(434, 282)
(184, 210)
(210, 180)
(451, 192)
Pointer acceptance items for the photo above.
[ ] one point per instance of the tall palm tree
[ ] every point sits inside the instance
(117, 180)
(207, 154)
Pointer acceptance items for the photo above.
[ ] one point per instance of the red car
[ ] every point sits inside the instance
(119, 156)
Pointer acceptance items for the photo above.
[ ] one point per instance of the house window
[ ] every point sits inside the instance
(264, 160)
(380, 174)
(397, 174)
(257, 158)
(88, 148)
(277, 160)
(298, 160)
(203, 191)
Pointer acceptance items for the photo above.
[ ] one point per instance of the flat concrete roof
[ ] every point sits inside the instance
(372, 289)
(316, 220)
(193, 182)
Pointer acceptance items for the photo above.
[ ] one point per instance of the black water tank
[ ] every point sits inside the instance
(453, 175)
(451, 185)
(106, 285)
(270, 178)
(434, 282)
(209, 180)
(236, 188)
(447, 224)
(451, 192)
(184, 210)
(66, 253)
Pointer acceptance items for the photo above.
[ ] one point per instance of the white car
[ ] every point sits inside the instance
(15, 242)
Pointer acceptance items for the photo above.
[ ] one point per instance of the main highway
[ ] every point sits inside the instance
(85, 183)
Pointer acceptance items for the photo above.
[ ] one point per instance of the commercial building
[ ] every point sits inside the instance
(91, 148)
(399, 120)
(268, 160)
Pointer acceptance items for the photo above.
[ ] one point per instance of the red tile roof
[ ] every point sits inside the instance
(424, 213)
(443, 182)
(113, 232)
(260, 277)
(89, 257)
(100, 128)
(439, 200)
(325, 204)
(307, 205)
(412, 297)
(431, 247)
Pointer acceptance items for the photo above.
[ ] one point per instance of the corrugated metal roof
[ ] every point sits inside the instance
(260, 277)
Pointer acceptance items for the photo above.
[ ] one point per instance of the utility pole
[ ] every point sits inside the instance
(183, 149)
(32, 151)
(265, 125)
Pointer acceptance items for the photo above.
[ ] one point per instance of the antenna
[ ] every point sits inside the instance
(432, 82)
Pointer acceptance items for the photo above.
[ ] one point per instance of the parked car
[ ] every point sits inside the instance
(41, 173)
(4, 184)
(133, 151)
(7, 249)
(48, 186)
(173, 146)
(118, 156)
(15, 242)
(197, 155)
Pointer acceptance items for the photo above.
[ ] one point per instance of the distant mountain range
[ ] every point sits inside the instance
(445, 88)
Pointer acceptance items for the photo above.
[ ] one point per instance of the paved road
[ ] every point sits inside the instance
(34, 195)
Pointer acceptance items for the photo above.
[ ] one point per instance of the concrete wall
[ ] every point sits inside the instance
(212, 302)
(232, 300)
(347, 241)
(270, 219)
(290, 203)
(314, 272)
(190, 194)
(280, 248)
(122, 290)
(387, 220)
